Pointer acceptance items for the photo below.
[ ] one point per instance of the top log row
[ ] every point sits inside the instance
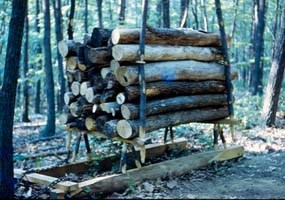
(157, 36)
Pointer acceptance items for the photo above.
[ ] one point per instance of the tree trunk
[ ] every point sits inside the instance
(173, 71)
(100, 18)
(7, 97)
(167, 37)
(166, 53)
(205, 16)
(258, 48)
(184, 5)
(275, 79)
(195, 12)
(86, 16)
(122, 12)
(70, 28)
(130, 128)
(159, 13)
(59, 37)
(131, 111)
(25, 116)
(235, 19)
(165, 13)
(39, 63)
(50, 127)
(171, 89)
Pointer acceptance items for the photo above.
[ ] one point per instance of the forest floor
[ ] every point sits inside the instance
(259, 174)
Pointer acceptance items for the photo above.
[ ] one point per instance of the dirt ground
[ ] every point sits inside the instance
(259, 174)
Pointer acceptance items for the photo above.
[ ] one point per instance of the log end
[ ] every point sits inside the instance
(126, 113)
(120, 98)
(122, 76)
(90, 124)
(115, 37)
(63, 48)
(75, 88)
(117, 53)
(124, 129)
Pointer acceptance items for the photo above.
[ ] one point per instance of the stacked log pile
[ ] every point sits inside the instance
(184, 77)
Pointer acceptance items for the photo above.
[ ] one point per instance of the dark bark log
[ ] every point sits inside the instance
(100, 122)
(59, 37)
(50, 127)
(100, 55)
(131, 111)
(69, 98)
(112, 108)
(25, 116)
(108, 96)
(68, 48)
(169, 89)
(110, 128)
(130, 128)
(275, 79)
(173, 71)
(80, 107)
(92, 96)
(7, 97)
(66, 118)
(165, 36)
(99, 37)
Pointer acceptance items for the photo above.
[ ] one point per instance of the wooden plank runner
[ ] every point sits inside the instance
(46, 180)
(174, 167)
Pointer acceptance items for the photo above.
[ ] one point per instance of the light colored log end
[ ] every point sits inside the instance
(105, 71)
(126, 113)
(115, 37)
(117, 53)
(63, 48)
(124, 129)
(75, 88)
(120, 98)
(90, 124)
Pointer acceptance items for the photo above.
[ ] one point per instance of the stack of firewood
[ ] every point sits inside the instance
(184, 76)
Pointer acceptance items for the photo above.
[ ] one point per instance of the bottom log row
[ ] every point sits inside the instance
(114, 120)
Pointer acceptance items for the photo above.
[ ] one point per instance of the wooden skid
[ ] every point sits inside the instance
(174, 167)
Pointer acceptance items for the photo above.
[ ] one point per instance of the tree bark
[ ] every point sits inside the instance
(166, 53)
(86, 16)
(70, 28)
(165, 13)
(205, 15)
(100, 18)
(7, 97)
(131, 111)
(275, 79)
(184, 6)
(39, 63)
(258, 48)
(50, 127)
(173, 71)
(167, 37)
(130, 128)
(171, 89)
(100, 55)
(122, 12)
(110, 128)
(25, 116)
(59, 37)
(195, 12)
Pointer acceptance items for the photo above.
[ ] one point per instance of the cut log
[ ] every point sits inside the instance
(69, 98)
(65, 118)
(92, 96)
(169, 168)
(166, 53)
(110, 82)
(90, 123)
(131, 111)
(110, 128)
(82, 67)
(173, 71)
(105, 71)
(80, 107)
(184, 37)
(68, 48)
(114, 65)
(171, 89)
(84, 86)
(100, 55)
(75, 88)
(71, 62)
(130, 128)
(78, 75)
(99, 37)
(111, 108)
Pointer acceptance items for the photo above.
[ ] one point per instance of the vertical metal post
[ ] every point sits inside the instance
(226, 63)
(142, 75)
